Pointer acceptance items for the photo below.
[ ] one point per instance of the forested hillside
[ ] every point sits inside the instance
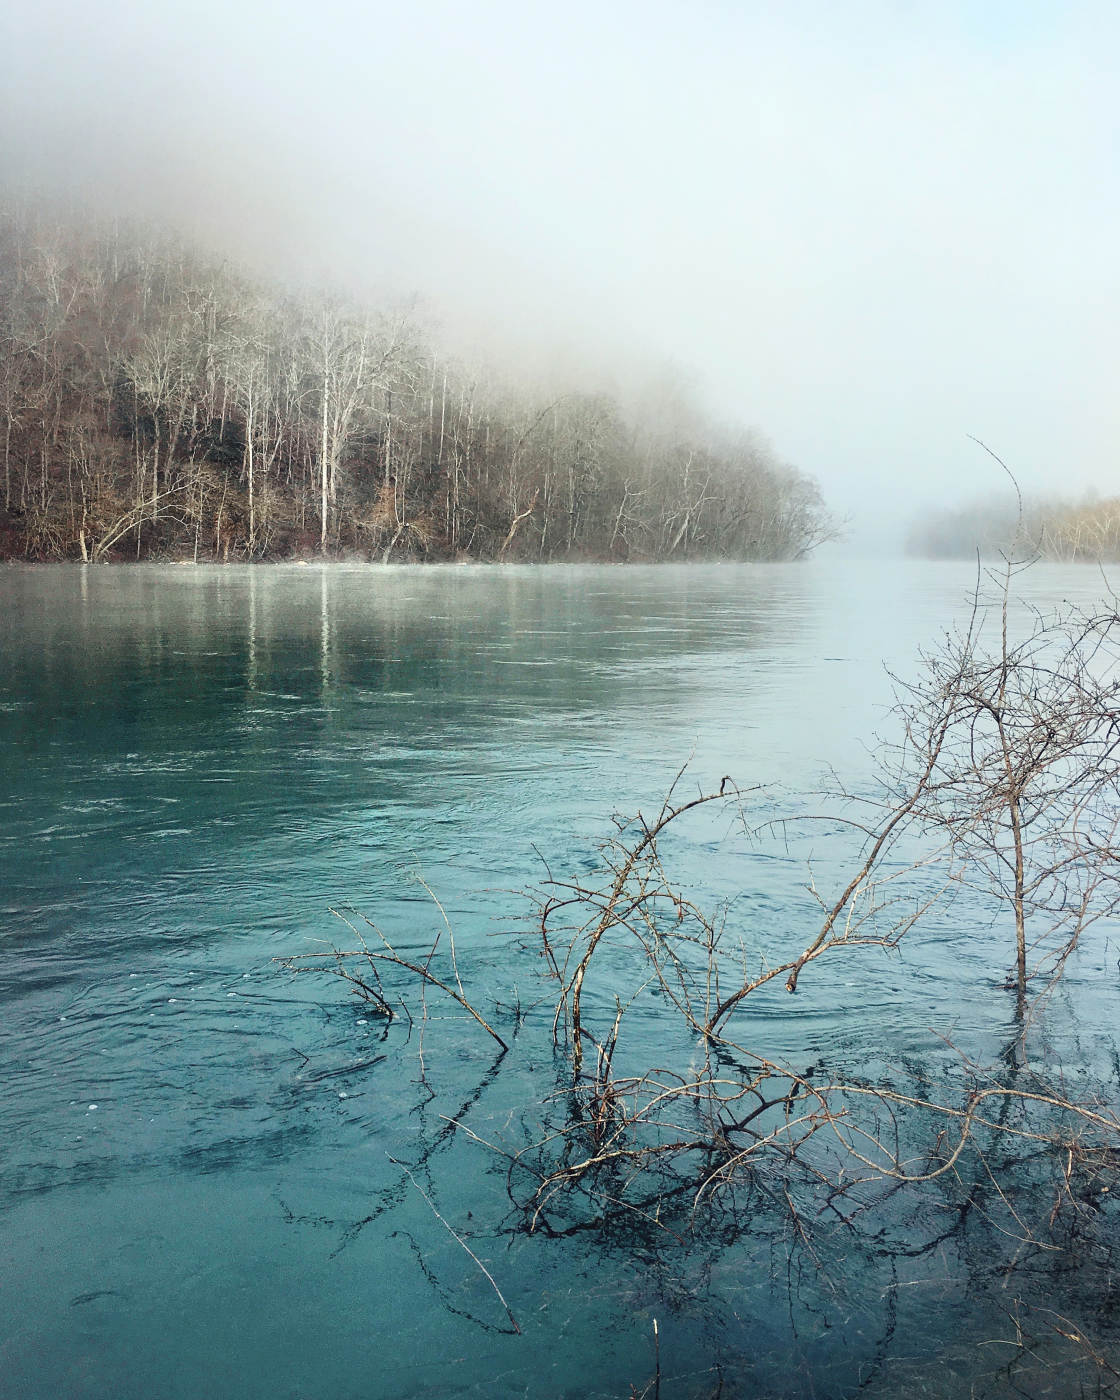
(158, 403)
(1053, 529)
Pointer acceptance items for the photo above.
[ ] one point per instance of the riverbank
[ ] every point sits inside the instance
(160, 404)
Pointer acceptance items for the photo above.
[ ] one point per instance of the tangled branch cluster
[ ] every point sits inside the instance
(1006, 781)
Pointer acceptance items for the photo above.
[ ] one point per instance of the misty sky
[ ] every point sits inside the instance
(869, 229)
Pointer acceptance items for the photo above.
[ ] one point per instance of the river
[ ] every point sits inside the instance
(203, 1184)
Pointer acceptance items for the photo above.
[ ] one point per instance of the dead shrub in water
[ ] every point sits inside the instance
(1005, 783)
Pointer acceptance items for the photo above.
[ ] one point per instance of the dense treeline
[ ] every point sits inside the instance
(160, 404)
(1053, 529)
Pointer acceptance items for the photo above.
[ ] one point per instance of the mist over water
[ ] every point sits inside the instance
(200, 1182)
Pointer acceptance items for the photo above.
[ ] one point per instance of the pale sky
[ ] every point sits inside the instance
(866, 228)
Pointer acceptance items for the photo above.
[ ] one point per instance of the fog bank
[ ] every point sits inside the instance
(870, 229)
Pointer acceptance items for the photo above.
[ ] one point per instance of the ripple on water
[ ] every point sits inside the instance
(196, 1147)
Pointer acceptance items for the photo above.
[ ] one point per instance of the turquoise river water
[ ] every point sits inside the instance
(203, 1184)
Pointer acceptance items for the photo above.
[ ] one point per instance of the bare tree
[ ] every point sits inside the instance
(1024, 785)
(131, 365)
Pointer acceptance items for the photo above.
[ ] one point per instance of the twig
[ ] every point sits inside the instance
(459, 1240)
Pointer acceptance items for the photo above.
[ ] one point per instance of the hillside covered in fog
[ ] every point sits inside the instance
(1053, 529)
(160, 404)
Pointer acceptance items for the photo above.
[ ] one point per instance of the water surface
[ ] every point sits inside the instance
(200, 1189)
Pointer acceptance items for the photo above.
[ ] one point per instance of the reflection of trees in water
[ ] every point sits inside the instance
(158, 655)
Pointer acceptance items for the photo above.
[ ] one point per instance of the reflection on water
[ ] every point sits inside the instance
(199, 1156)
